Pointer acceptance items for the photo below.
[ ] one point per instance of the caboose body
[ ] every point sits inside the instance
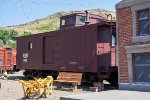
(89, 49)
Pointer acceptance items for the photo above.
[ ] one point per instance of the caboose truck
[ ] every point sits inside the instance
(76, 47)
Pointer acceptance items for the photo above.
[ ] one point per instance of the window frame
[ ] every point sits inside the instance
(138, 22)
(79, 23)
(30, 46)
(134, 65)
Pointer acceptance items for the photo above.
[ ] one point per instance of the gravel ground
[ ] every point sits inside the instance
(12, 89)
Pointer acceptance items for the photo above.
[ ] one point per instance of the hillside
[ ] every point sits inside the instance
(51, 22)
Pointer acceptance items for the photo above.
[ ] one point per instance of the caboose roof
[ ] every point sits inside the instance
(83, 14)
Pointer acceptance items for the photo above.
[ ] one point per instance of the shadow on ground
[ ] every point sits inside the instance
(17, 77)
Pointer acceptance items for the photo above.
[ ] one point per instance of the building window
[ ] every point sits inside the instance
(63, 21)
(143, 22)
(30, 46)
(81, 19)
(142, 67)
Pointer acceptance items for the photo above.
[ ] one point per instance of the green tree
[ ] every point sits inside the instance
(11, 44)
(26, 33)
(1, 42)
(8, 37)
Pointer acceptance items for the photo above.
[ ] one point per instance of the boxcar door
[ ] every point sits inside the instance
(9, 60)
(49, 52)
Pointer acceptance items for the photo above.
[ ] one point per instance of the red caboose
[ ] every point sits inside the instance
(7, 58)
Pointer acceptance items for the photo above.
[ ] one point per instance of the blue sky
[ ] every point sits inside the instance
(14, 12)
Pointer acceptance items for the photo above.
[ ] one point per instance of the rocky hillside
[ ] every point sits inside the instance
(51, 22)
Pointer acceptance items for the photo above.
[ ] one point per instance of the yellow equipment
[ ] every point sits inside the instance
(40, 86)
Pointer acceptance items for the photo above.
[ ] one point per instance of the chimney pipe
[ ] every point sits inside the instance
(87, 18)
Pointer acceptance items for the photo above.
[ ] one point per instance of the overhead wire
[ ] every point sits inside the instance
(30, 10)
(45, 3)
(23, 9)
(35, 3)
(48, 3)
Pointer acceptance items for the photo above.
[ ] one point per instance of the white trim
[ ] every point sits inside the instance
(140, 38)
(138, 48)
(134, 14)
(117, 48)
(140, 6)
(127, 3)
(138, 83)
(130, 50)
(134, 9)
(135, 86)
(130, 68)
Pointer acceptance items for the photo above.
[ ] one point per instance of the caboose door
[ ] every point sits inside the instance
(103, 49)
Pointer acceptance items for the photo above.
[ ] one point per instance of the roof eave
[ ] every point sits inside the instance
(127, 3)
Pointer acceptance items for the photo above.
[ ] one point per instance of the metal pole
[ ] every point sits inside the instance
(110, 20)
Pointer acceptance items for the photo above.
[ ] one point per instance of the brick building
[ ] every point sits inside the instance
(133, 28)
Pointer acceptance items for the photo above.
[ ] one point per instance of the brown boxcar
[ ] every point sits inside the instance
(86, 49)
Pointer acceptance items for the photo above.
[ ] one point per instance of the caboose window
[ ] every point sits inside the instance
(63, 21)
(30, 46)
(72, 20)
(143, 17)
(81, 19)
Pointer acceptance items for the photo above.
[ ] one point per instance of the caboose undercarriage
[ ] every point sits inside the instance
(87, 77)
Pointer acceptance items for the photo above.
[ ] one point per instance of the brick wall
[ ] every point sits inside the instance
(125, 38)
